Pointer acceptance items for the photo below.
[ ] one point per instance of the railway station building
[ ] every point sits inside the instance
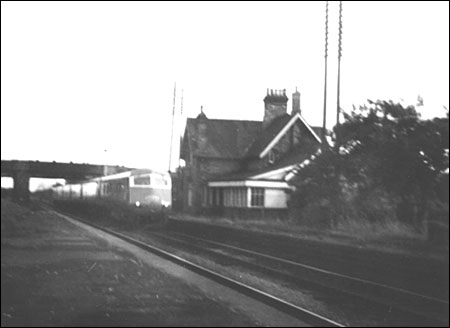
(243, 168)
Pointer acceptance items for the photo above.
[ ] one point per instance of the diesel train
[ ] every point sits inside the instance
(143, 187)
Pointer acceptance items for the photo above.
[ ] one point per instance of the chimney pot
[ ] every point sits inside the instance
(275, 105)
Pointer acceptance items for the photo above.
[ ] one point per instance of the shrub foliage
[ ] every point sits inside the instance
(388, 164)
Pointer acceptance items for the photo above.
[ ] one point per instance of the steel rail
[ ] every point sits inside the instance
(376, 301)
(306, 266)
(348, 260)
(275, 302)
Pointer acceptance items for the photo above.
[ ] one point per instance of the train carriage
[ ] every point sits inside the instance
(141, 187)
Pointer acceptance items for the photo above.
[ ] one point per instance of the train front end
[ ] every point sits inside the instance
(151, 189)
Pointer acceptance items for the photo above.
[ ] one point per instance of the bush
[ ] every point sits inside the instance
(375, 206)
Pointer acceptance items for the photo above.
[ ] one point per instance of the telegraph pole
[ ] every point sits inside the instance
(181, 126)
(173, 121)
(325, 86)
(338, 107)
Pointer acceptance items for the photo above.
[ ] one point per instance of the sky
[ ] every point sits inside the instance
(93, 82)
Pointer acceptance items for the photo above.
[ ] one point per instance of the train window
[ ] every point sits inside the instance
(160, 180)
(142, 180)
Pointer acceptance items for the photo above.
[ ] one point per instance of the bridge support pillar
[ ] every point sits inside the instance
(22, 186)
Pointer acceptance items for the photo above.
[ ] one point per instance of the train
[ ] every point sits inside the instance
(141, 187)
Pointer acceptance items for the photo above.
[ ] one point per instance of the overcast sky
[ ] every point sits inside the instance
(93, 82)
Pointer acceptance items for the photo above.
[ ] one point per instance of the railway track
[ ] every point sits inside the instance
(395, 306)
(424, 278)
(403, 307)
(300, 313)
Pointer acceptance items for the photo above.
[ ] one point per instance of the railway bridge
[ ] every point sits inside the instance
(22, 171)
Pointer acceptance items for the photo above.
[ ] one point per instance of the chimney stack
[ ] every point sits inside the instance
(275, 105)
(296, 103)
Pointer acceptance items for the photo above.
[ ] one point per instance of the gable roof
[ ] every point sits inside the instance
(227, 139)
(273, 133)
(267, 135)
(318, 130)
(236, 139)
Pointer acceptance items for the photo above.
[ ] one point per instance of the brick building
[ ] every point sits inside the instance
(237, 168)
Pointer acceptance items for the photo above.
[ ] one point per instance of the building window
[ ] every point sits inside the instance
(235, 197)
(257, 199)
(216, 197)
(190, 196)
(213, 196)
(242, 197)
(271, 157)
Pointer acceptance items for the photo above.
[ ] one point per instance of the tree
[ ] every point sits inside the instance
(383, 146)
(402, 153)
